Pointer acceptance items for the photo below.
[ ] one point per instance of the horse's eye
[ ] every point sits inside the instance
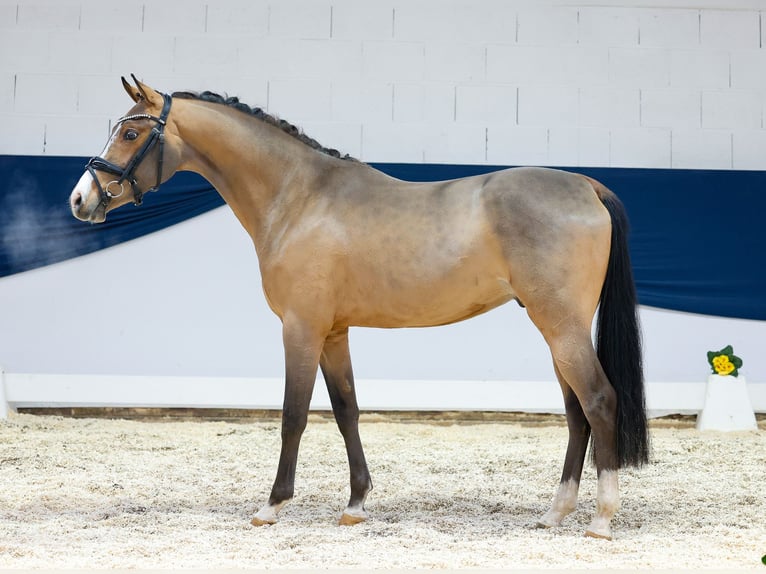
(130, 135)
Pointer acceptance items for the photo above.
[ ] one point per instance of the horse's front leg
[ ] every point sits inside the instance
(302, 347)
(336, 368)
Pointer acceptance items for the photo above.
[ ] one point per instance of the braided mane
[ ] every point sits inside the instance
(285, 126)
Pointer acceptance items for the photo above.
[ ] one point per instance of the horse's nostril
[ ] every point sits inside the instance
(77, 200)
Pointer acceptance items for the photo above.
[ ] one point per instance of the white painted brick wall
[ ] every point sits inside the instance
(471, 81)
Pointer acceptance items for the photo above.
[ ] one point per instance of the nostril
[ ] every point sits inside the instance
(76, 200)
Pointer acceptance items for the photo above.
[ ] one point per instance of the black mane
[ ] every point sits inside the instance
(285, 126)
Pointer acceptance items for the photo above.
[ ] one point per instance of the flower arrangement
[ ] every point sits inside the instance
(724, 362)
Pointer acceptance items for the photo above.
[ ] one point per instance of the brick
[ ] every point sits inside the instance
(7, 90)
(486, 105)
(80, 52)
(167, 18)
(126, 16)
(424, 102)
(102, 96)
(455, 143)
(48, 16)
(573, 147)
(563, 147)
(28, 135)
(201, 54)
(731, 109)
(609, 107)
(747, 149)
(233, 17)
(151, 57)
(702, 149)
(730, 29)
(317, 59)
(75, 135)
(640, 147)
(344, 137)
(699, 69)
(393, 61)
(517, 145)
(362, 101)
(639, 67)
(747, 69)
(670, 108)
(252, 91)
(552, 25)
(362, 20)
(547, 65)
(464, 21)
(24, 51)
(605, 26)
(300, 100)
(8, 14)
(593, 146)
(388, 142)
(546, 106)
(669, 28)
(306, 20)
(457, 62)
(46, 93)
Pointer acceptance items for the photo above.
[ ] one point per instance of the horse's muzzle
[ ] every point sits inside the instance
(85, 203)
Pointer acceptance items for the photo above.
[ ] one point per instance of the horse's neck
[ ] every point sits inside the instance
(254, 166)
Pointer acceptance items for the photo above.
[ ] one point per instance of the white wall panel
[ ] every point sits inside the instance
(669, 28)
(700, 69)
(546, 26)
(701, 149)
(670, 108)
(652, 145)
(730, 29)
(300, 19)
(731, 109)
(604, 26)
(639, 67)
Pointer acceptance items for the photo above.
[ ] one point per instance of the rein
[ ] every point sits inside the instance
(127, 173)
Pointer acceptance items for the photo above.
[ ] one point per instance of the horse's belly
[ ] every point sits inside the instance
(426, 306)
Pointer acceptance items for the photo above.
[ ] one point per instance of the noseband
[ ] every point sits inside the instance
(127, 173)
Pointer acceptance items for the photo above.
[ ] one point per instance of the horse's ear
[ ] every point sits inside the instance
(151, 95)
(134, 94)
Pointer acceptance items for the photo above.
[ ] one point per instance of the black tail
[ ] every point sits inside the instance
(618, 341)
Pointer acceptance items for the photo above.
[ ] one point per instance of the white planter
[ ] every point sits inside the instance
(727, 405)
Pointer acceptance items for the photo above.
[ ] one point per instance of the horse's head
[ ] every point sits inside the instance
(136, 158)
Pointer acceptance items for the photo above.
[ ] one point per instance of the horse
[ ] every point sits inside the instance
(341, 244)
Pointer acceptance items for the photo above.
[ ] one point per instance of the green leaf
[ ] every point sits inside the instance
(736, 361)
(727, 350)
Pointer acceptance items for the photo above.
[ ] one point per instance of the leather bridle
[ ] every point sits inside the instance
(127, 173)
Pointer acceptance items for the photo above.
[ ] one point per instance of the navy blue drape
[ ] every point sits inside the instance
(696, 241)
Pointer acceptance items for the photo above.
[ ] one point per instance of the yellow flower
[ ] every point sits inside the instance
(722, 365)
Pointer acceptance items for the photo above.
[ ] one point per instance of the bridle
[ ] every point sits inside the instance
(127, 173)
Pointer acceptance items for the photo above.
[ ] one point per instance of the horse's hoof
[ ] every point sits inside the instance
(541, 524)
(599, 535)
(350, 519)
(258, 522)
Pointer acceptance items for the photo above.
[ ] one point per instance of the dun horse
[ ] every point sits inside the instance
(341, 244)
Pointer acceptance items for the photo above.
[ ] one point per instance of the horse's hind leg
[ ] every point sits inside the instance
(577, 364)
(576, 359)
(565, 500)
(335, 362)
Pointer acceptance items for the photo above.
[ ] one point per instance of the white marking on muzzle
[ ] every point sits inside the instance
(84, 186)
